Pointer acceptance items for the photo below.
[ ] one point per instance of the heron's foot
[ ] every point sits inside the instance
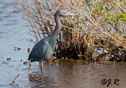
(43, 79)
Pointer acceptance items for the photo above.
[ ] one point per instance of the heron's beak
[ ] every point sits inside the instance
(70, 14)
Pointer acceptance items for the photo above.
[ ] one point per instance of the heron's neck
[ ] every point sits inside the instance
(58, 25)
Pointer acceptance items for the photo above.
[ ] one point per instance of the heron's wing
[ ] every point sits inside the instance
(39, 50)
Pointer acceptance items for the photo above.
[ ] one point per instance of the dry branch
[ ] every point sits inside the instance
(13, 81)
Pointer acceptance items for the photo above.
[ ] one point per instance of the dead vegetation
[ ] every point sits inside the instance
(13, 81)
(99, 32)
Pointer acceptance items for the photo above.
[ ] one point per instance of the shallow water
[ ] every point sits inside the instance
(61, 74)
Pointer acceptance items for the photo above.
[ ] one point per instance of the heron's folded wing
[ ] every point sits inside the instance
(39, 50)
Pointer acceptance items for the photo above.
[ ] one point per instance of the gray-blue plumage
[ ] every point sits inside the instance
(43, 50)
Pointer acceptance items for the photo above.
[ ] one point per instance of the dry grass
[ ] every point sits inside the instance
(100, 26)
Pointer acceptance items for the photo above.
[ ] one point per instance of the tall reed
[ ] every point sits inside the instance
(98, 32)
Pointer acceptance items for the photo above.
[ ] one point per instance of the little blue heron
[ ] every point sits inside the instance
(43, 50)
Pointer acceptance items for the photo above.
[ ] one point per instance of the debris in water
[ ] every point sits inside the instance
(17, 48)
(25, 62)
(20, 65)
(28, 50)
(8, 58)
(13, 81)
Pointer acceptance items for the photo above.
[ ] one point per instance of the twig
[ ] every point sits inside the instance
(12, 82)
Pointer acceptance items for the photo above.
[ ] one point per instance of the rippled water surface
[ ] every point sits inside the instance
(61, 74)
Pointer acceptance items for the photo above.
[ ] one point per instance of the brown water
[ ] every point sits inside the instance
(76, 74)
(61, 74)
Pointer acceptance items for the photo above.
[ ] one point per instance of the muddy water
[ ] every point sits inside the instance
(77, 74)
(61, 74)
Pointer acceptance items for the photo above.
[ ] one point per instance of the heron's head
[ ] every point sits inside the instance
(64, 13)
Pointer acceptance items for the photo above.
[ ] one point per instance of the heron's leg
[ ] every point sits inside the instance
(42, 71)
(29, 64)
